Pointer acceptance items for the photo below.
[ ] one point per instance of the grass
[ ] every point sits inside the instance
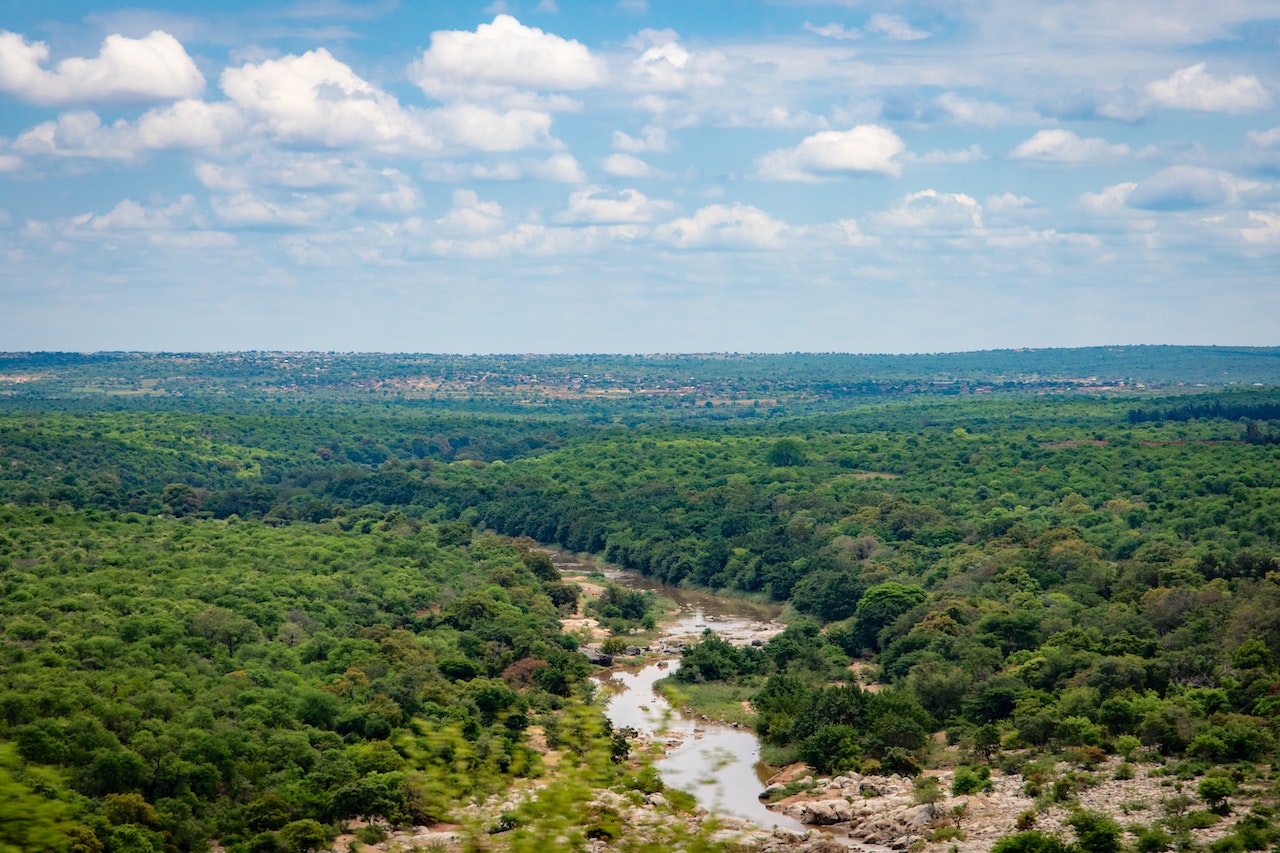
(722, 702)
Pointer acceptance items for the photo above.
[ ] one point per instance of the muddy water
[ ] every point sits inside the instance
(718, 764)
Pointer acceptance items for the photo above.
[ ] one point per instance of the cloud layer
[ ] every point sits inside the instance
(654, 172)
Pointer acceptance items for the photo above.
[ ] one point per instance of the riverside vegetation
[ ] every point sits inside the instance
(255, 599)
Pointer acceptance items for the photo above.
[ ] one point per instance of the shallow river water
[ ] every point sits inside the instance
(718, 764)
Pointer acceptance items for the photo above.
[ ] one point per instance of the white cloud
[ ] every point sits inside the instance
(559, 168)
(719, 226)
(1193, 88)
(980, 113)
(129, 215)
(834, 31)
(930, 210)
(842, 232)
(1007, 203)
(315, 99)
(652, 138)
(1063, 146)
(500, 57)
(486, 129)
(187, 124)
(248, 209)
(1188, 188)
(155, 67)
(626, 166)
(190, 124)
(894, 27)
(1266, 232)
(79, 133)
(1264, 138)
(11, 163)
(665, 66)
(470, 217)
(1111, 200)
(596, 206)
(867, 148)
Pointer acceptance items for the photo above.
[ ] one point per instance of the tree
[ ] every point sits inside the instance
(304, 836)
(880, 606)
(785, 453)
(986, 741)
(928, 792)
(1215, 790)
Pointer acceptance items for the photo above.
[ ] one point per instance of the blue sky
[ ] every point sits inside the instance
(555, 176)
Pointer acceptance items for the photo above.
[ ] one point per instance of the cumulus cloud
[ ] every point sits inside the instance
(471, 217)
(249, 209)
(867, 148)
(1063, 146)
(1187, 188)
(652, 138)
(1194, 88)
(930, 210)
(1007, 203)
(316, 99)
(559, 168)
(188, 124)
(500, 57)
(720, 226)
(486, 129)
(665, 66)
(130, 215)
(155, 67)
(596, 205)
(1111, 200)
(626, 166)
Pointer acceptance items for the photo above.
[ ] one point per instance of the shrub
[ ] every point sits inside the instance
(1033, 841)
(966, 781)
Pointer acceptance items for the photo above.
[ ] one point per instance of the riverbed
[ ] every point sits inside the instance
(719, 764)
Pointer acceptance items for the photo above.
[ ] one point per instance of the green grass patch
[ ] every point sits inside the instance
(714, 700)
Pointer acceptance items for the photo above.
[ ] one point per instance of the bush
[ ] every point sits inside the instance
(1033, 841)
(831, 749)
(966, 781)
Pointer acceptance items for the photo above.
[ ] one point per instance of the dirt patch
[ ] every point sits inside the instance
(862, 673)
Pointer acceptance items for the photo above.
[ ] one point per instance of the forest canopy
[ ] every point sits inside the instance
(249, 593)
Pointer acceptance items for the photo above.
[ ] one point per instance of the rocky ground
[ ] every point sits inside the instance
(880, 812)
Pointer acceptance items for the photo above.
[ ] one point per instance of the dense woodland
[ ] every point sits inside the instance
(245, 608)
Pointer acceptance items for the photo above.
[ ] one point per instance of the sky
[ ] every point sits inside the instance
(561, 176)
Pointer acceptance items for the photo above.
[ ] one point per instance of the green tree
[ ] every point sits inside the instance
(785, 453)
(304, 836)
(880, 606)
(1215, 791)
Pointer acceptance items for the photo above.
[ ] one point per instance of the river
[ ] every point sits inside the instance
(719, 764)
